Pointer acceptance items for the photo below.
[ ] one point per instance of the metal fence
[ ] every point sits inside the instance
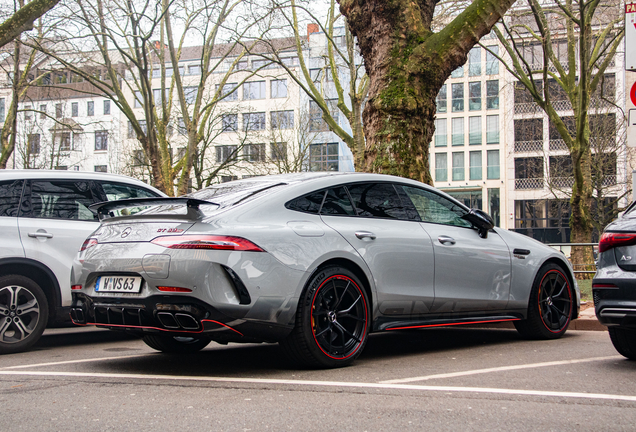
(566, 249)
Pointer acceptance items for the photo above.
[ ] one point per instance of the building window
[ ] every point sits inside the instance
(139, 158)
(458, 73)
(441, 167)
(474, 163)
(229, 178)
(492, 64)
(316, 121)
(529, 173)
(254, 90)
(254, 121)
(106, 107)
(190, 94)
(458, 166)
(474, 62)
(441, 133)
(101, 140)
(474, 130)
(74, 109)
(138, 100)
(279, 88)
(323, 157)
(34, 143)
(58, 110)
(492, 164)
(493, 205)
(194, 70)
(255, 152)
(457, 136)
(181, 127)
(458, 97)
(61, 168)
(229, 92)
(2, 113)
(101, 168)
(42, 111)
(279, 151)
(474, 95)
(492, 94)
(492, 129)
(229, 122)
(282, 119)
(62, 141)
(27, 112)
(441, 100)
(90, 108)
(226, 153)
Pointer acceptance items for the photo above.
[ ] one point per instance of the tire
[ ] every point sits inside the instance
(550, 307)
(332, 320)
(24, 312)
(624, 340)
(176, 344)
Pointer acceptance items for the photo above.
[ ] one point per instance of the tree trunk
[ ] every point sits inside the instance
(407, 64)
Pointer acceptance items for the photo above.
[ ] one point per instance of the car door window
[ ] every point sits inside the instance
(377, 200)
(61, 199)
(10, 192)
(435, 208)
(337, 202)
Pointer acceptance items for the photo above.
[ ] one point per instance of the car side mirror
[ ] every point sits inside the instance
(481, 220)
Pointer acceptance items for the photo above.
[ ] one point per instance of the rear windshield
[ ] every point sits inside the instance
(227, 194)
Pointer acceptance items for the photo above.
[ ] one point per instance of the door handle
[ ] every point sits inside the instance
(446, 240)
(365, 234)
(41, 234)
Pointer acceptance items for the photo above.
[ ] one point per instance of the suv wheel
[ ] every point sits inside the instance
(624, 341)
(24, 312)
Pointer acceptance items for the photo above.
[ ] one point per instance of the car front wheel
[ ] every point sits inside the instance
(332, 321)
(551, 305)
(624, 341)
(24, 312)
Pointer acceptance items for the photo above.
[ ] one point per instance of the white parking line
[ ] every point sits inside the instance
(447, 389)
(499, 369)
(73, 361)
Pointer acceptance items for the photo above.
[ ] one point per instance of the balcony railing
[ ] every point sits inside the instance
(526, 108)
(562, 182)
(529, 183)
(528, 146)
(558, 144)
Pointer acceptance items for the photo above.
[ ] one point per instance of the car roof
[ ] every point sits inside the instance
(23, 174)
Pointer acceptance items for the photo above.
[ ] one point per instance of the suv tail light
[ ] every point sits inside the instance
(611, 240)
(195, 241)
(88, 243)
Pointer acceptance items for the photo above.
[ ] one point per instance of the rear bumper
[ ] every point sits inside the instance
(615, 303)
(176, 315)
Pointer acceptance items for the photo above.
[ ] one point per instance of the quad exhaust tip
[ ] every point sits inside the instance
(178, 321)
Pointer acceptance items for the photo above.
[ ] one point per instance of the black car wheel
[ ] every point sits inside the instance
(332, 322)
(624, 341)
(550, 308)
(176, 344)
(24, 312)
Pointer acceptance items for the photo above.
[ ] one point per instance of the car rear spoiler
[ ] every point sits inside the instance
(104, 210)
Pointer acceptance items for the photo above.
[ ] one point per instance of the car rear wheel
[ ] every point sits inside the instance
(24, 311)
(551, 305)
(332, 321)
(176, 344)
(624, 341)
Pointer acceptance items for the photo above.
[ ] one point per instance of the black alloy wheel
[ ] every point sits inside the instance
(551, 305)
(333, 320)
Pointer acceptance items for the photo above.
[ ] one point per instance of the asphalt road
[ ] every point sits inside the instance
(455, 379)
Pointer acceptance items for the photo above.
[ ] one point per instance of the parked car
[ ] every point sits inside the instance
(314, 261)
(44, 218)
(614, 284)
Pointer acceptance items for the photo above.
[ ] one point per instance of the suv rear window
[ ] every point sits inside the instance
(10, 192)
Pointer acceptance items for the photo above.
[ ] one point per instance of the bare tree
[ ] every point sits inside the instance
(23, 19)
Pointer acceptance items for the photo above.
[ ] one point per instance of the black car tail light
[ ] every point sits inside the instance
(611, 240)
(195, 241)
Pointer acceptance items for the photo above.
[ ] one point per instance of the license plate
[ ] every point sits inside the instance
(129, 284)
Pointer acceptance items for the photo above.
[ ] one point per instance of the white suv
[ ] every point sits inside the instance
(44, 219)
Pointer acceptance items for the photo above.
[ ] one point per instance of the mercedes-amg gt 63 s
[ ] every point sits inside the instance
(315, 262)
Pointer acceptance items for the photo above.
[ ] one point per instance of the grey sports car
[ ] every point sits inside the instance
(314, 261)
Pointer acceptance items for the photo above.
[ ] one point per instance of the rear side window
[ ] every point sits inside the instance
(307, 204)
(10, 192)
(377, 200)
(61, 199)
(337, 202)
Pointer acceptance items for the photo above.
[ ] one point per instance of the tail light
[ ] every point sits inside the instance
(611, 240)
(215, 242)
(88, 243)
